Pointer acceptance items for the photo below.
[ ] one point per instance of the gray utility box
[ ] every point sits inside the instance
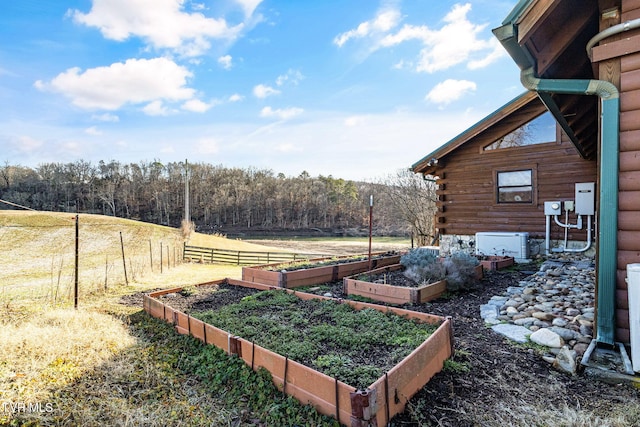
(585, 198)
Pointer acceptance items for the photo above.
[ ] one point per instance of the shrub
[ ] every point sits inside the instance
(422, 266)
(460, 271)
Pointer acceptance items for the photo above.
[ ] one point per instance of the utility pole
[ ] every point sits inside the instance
(370, 229)
(75, 284)
(187, 215)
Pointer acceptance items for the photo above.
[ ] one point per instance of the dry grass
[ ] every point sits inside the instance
(53, 347)
(86, 364)
(39, 252)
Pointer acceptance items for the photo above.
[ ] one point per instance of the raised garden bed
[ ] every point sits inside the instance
(496, 262)
(391, 292)
(396, 289)
(312, 272)
(374, 404)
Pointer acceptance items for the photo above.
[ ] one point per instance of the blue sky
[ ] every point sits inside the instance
(356, 89)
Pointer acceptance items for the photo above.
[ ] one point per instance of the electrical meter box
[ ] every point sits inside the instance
(553, 208)
(585, 198)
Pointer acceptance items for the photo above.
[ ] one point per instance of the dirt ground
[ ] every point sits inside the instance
(498, 383)
(508, 384)
(495, 382)
(332, 247)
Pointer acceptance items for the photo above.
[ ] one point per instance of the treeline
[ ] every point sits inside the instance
(220, 198)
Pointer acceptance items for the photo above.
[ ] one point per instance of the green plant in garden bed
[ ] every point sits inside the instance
(356, 347)
(300, 265)
(227, 377)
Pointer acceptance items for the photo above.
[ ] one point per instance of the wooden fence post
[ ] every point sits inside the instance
(75, 287)
(124, 263)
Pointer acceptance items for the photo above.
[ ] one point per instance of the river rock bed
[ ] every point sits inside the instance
(554, 307)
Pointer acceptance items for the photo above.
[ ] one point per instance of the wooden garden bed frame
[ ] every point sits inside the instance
(393, 294)
(375, 406)
(397, 294)
(312, 275)
(496, 262)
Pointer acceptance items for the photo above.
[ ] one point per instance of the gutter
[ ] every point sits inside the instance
(609, 160)
(608, 209)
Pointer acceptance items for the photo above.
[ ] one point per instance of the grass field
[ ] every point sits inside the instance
(39, 252)
(108, 363)
(49, 349)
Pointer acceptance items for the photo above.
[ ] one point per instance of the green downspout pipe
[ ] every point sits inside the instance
(608, 210)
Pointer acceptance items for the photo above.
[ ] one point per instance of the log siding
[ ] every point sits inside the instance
(629, 187)
(467, 195)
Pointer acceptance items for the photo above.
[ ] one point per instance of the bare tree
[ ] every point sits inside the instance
(414, 201)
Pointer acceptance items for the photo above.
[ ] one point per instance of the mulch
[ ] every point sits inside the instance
(502, 377)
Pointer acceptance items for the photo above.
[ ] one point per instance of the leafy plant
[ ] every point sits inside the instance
(303, 264)
(454, 366)
(227, 377)
(458, 363)
(323, 333)
(422, 266)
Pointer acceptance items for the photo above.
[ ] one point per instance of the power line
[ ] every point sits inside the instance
(16, 205)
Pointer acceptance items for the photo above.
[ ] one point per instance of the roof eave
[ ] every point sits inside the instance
(507, 35)
(426, 165)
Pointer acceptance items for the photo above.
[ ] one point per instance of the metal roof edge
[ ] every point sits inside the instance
(493, 118)
(517, 11)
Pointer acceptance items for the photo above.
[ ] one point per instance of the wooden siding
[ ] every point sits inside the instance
(467, 189)
(629, 190)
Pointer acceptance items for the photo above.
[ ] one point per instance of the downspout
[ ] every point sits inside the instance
(608, 210)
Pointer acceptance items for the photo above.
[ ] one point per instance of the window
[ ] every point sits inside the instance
(540, 130)
(515, 186)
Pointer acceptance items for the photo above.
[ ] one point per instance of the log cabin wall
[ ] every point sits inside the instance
(467, 189)
(627, 61)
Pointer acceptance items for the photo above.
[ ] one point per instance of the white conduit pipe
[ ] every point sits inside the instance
(588, 238)
(612, 31)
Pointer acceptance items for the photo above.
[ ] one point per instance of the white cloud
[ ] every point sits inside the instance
(283, 114)
(291, 76)
(196, 106)
(288, 147)
(132, 82)
(156, 108)
(457, 41)
(94, 131)
(262, 91)
(73, 148)
(450, 90)
(226, 62)
(161, 23)
(236, 97)
(27, 144)
(249, 6)
(353, 121)
(497, 53)
(106, 117)
(208, 146)
(384, 21)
